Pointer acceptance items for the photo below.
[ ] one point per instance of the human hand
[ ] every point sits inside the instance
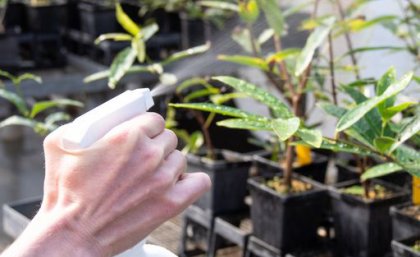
(102, 200)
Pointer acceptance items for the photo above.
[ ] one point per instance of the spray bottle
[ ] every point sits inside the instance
(93, 125)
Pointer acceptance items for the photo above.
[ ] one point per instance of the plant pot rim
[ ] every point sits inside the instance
(403, 244)
(337, 194)
(319, 159)
(396, 211)
(256, 182)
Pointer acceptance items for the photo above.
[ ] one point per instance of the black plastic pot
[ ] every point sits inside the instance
(46, 18)
(15, 18)
(9, 52)
(286, 222)
(403, 226)
(363, 228)
(228, 176)
(194, 31)
(97, 19)
(403, 248)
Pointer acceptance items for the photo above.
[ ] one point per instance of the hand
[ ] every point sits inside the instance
(102, 200)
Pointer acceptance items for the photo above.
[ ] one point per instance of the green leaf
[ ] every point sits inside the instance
(154, 69)
(242, 36)
(245, 60)
(381, 170)
(314, 41)
(148, 31)
(113, 36)
(282, 55)
(223, 98)
(279, 108)
(16, 100)
(249, 10)
(194, 142)
(383, 84)
(360, 131)
(265, 36)
(125, 21)
(285, 128)
(18, 120)
(27, 76)
(372, 118)
(273, 15)
(201, 93)
(7, 75)
(120, 66)
(391, 111)
(219, 5)
(187, 53)
(360, 110)
(354, 190)
(409, 130)
(359, 24)
(220, 109)
(337, 146)
(369, 49)
(245, 124)
(311, 136)
(383, 144)
(191, 82)
(53, 118)
(45, 105)
(139, 46)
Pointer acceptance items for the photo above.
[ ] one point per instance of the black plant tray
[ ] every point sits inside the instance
(401, 248)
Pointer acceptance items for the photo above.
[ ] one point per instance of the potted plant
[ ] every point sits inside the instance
(367, 126)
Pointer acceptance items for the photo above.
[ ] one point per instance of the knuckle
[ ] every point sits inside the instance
(172, 136)
(157, 119)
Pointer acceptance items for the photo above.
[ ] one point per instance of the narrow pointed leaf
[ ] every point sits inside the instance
(28, 76)
(265, 36)
(245, 60)
(383, 84)
(360, 110)
(120, 66)
(335, 146)
(186, 53)
(154, 69)
(201, 93)
(381, 170)
(220, 109)
(314, 41)
(391, 111)
(223, 98)
(56, 117)
(282, 55)
(113, 36)
(139, 46)
(219, 5)
(279, 108)
(273, 15)
(18, 120)
(285, 128)
(125, 21)
(409, 130)
(16, 100)
(192, 82)
(242, 36)
(311, 136)
(148, 31)
(245, 124)
(45, 105)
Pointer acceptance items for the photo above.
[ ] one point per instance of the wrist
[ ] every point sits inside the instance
(55, 234)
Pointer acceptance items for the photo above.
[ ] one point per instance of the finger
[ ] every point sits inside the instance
(168, 140)
(170, 171)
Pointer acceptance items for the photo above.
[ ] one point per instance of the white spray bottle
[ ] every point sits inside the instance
(93, 125)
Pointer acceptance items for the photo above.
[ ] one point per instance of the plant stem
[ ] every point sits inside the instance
(209, 144)
(332, 71)
(289, 164)
(348, 40)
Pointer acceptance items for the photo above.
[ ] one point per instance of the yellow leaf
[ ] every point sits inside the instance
(416, 190)
(303, 154)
